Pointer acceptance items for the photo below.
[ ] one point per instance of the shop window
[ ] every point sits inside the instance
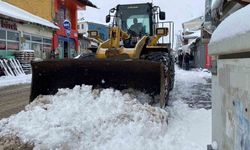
(13, 45)
(37, 49)
(36, 39)
(26, 37)
(2, 34)
(72, 44)
(47, 41)
(2, 45)
(13, 36)
(26, 46)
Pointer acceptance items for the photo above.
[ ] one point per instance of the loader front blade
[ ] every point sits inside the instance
(49, 76)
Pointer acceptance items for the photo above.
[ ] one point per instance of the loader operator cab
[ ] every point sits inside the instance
(136, 29)
(137, 20)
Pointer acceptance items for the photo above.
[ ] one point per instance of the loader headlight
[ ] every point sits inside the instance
(162, 31)
(93, 33)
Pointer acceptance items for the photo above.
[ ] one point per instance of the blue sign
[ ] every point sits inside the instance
(67, 25)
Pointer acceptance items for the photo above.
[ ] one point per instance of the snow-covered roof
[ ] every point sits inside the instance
(194, 35)
(20, 14)
(233, 34)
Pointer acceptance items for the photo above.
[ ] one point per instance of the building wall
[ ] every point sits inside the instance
(27, 37)
(56, 11)
(86, 26)
(42, 8)
(230, 98)
(83, 28)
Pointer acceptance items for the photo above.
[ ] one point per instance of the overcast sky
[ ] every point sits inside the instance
(178, 11)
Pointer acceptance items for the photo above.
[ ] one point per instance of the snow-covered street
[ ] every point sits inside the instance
(13, 80)
(81, 118)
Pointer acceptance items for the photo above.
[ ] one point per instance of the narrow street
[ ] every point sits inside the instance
(193, 88)
(13, 99)
(182, 125)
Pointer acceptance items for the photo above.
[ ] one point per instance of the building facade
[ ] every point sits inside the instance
(57, 11)
(21, 30)
(85, 26)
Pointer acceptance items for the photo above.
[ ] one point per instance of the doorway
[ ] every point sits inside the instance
(66, 49)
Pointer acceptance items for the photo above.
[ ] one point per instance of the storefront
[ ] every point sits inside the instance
(66, 45)
(20, 30)
(36, 38)
(9, 38)
(16, 36)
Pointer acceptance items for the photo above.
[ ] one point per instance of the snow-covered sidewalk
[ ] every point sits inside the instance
(13, 80)
(80, 118)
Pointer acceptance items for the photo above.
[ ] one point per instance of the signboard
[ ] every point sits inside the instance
(8, 25)
(67, 27)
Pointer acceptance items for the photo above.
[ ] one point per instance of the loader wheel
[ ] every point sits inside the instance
(164, 59)
(172, 71)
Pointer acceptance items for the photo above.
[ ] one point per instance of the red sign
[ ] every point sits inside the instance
(8, 25)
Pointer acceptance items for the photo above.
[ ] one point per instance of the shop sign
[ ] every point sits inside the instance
(8, 25)
(67, 27)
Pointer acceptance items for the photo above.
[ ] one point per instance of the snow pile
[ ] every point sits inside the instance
(82, 118)
(234, 25)
(12, 80)
(86, 119)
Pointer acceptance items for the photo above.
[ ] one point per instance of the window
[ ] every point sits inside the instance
(82, 26)
(26, 37)
(46, 48)
(142, 19)
(2, 45)
(47, 41)
(41, 45)
(38, 49)
(12, 36)
(36, 39)
(13, 45)
(78, 27)
(2, 34)
(9, 40)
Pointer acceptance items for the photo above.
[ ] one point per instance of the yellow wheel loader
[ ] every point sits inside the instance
(137, 55)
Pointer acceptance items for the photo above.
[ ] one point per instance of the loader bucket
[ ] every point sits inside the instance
(49, 76)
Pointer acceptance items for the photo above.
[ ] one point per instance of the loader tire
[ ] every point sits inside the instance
(172, 71)
(164, 59)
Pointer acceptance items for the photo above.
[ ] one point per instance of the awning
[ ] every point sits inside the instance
(88, 3)
(9, 10)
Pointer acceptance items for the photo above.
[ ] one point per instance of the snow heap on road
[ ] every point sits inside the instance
(12, 80)
(82, 118)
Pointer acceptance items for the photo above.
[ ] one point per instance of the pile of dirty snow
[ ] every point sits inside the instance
(86, 119)
(82, 118)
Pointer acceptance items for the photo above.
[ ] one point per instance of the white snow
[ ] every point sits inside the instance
(17, 13)
(234, 25)
(82, 118)
(12, 80)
